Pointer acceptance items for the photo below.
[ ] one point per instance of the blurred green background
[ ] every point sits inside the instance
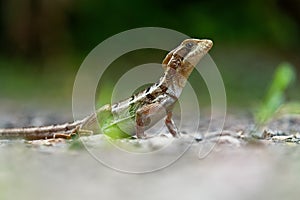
(43, 42)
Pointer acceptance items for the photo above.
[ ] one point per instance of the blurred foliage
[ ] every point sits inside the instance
(275, 97)
(45, 41)
(40, 28)
(291, 108)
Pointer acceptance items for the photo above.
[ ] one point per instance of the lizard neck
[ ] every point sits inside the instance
(177, 71)
(173, 81)
(176, 77)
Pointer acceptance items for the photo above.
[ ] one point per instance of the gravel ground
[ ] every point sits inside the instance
(226, 167)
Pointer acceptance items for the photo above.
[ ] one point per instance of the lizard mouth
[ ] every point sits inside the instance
(205, 44)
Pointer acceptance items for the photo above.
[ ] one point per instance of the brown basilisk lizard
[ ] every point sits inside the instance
(134, 115)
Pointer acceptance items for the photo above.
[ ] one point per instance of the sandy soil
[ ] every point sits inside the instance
(220, 168)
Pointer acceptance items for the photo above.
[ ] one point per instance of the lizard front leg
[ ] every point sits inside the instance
(171, 125)
(143, 118)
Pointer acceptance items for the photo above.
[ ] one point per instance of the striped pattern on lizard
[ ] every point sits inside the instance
(132, 116)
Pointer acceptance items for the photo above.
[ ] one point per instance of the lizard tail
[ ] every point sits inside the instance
(65, 131)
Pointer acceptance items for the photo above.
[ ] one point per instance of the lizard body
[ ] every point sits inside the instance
(134, 115)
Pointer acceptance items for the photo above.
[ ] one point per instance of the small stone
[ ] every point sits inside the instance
(297, 135)
(282, 138)
(228, 140)
(47, 142)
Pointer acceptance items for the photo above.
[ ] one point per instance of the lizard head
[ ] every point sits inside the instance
(186, 56)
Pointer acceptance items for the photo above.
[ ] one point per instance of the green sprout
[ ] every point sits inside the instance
(283, 77)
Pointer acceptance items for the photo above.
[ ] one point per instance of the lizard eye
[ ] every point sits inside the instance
(189, 45)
